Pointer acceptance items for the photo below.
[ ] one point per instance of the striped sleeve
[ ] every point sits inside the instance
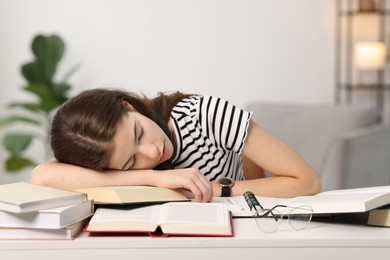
(224, 123)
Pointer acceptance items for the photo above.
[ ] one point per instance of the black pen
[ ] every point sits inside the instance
(252, 202)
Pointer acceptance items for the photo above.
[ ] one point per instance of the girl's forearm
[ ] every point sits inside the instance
(274, 186)
(72, 177)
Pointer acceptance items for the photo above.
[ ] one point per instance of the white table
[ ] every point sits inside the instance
(318, 241)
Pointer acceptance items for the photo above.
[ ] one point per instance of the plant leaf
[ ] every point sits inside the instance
(49, 51)
(61, 92)
(39, 89)
(32, 107)
(48, 98)
(39, 73)
(16, 143)
(17, 163)
(13, 119)
(30, 71)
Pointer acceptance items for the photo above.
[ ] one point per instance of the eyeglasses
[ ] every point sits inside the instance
(268, 220)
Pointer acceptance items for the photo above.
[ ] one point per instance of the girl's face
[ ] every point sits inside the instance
(139, 143)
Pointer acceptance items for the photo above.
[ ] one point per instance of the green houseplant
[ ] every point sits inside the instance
(49, 94)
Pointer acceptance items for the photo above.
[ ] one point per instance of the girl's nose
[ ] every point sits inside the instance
(149, 151)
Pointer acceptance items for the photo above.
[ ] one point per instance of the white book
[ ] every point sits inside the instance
(22, 197)
(53, 218)
(328, 202)
(67, 233)
(345, 201)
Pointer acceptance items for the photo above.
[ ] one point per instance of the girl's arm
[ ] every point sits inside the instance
(291, 175)
(70, 177)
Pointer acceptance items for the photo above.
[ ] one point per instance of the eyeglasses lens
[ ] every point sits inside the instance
(270, 222)
(300, 217)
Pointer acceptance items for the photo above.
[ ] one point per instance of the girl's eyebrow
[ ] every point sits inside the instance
(135, 139)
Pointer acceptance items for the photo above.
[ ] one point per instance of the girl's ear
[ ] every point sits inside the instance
(127, 104)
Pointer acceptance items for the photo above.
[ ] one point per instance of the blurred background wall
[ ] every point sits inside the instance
(240, 50)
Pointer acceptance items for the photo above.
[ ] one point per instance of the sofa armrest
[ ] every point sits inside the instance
(357, 158)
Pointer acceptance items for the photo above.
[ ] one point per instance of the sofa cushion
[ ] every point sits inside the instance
(309, 129)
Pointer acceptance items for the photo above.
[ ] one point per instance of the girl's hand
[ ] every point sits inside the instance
(190, 179)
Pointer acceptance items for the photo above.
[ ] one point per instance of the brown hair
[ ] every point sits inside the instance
(84, 126)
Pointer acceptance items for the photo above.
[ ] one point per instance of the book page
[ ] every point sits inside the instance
(204, 213)
(339, 203)
(131, 219)
(141, 213)
(377, 189)
(331, 198)
(239, 207)
(195, 218)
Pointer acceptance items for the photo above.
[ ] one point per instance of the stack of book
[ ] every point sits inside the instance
(29, 211)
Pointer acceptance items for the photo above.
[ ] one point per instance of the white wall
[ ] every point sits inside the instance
(241, 50)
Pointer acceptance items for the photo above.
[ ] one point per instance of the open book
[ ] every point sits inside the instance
(116, 195)
(328, 202)
(345, 201)
(174, 218)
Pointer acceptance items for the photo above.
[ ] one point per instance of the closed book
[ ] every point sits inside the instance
(169, 219)
(23, 197)
(53, 218)
(379, 217)
(68, 233)
(122, 195)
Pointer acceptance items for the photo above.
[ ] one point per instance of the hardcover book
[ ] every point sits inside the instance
(169, 219)
(53, 218)
(23, 197)
(122, 195)
(345, 201)
(67, 233)
(328, 202)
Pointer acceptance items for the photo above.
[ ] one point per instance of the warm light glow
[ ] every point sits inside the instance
(370, 55)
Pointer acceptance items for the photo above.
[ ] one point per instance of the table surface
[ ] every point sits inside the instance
(246, 235)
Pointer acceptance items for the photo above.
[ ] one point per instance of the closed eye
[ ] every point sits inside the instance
(141, 133)
(129, 162)
(137, 136)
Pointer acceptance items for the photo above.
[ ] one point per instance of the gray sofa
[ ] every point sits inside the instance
(344, 144)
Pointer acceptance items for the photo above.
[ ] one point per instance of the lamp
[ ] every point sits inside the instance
(369, 55)
(362, 58)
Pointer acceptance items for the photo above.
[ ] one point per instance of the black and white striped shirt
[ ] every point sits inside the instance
(210, 134)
